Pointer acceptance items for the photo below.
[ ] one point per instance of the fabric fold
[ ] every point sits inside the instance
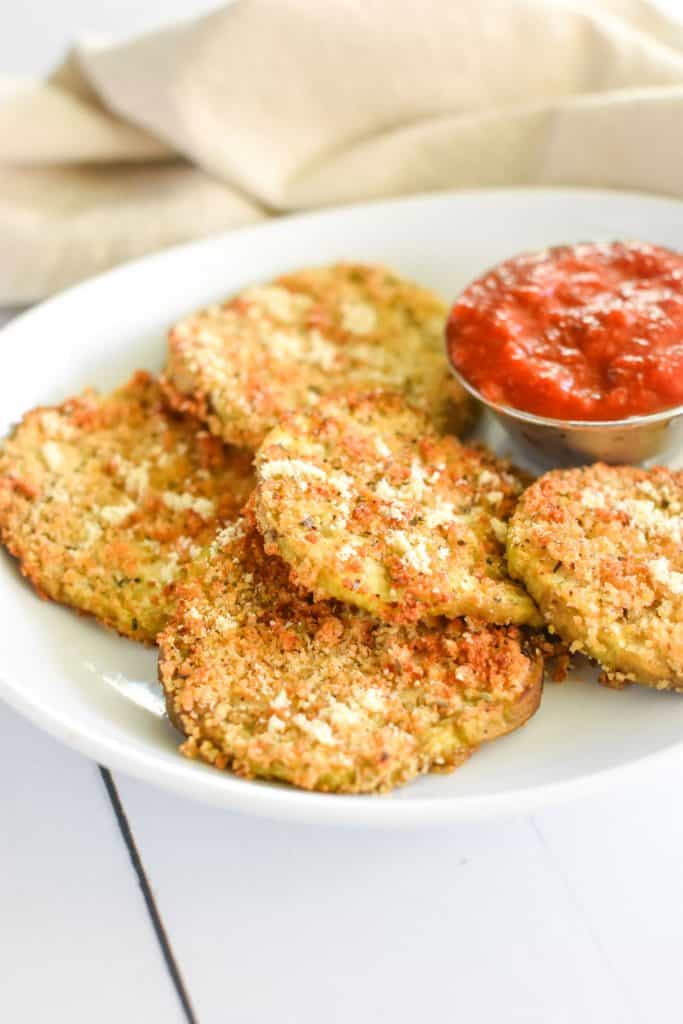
(282, 105)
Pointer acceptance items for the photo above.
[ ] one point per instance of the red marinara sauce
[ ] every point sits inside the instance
(582, 332)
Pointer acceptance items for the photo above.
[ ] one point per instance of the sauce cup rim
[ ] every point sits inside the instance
(628, 423)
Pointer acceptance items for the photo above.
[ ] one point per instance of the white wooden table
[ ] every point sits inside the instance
(120, 903)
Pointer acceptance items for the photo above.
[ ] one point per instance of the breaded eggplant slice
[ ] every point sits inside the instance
(601, 551)
(279, 346)
(106, 499)
(370, 506)
(264, 680)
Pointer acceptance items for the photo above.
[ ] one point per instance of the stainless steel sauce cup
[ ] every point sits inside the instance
(657, 437)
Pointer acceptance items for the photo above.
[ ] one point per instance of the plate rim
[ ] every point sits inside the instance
(267, 800)
(286, 803)
(282, 220)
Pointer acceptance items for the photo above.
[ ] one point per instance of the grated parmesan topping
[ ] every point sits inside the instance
(385, 491)
(321, 352)
(415, 555)
(500, 530)
(343, 483)
(231, 532)
(169, 569)
(644, 514)
(418, 479)
(372, 700)
(225, 622)
(297, 469)
(347, 551)
(92, 532)
(280, 343)
(204, 507)
(278, 302)
(358, 317)
(441, 513)
(52, 454)
(662, 572)
(137, 480)
(342, 715)
(55, 426)
(593, 499)
(115, 514)
(320, 731)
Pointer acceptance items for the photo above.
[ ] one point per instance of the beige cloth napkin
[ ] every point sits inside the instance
(268, 106)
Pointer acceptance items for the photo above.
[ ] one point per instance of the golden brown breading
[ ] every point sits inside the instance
(601, 551)
(106, 498)
(264, 680)
(370, 506)
(277, 347)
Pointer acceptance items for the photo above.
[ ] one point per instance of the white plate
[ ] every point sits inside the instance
(76, 681)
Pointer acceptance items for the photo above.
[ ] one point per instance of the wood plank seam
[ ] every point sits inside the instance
(148, 896)
(601, 949)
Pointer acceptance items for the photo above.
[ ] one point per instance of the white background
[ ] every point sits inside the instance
(572, 915)
(34, 34)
